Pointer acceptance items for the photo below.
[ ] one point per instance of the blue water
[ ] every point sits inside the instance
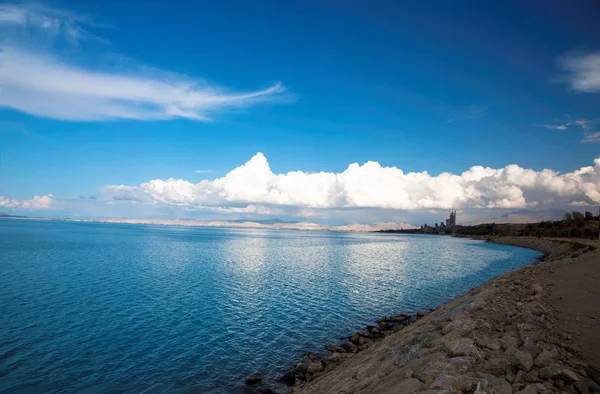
(99, 306)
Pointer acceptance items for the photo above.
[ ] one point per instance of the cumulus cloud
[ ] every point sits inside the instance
(371, 185)
(583, 71)
(37, 202)
(37, 80)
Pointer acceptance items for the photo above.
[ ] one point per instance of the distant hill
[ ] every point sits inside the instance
(263, 221)
(524, 216)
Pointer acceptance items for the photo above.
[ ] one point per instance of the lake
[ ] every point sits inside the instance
(90, 306)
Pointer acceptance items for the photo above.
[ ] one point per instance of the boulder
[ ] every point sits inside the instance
(464, 326)
(544, 359)
(529, 389)
(253, 379)
(507, 341)
(446, 382)
(524, 360)
(315, 367)
(422, 312)
(350, 347)
(464, 347)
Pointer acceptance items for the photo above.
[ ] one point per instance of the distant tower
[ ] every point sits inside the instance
(451, 221)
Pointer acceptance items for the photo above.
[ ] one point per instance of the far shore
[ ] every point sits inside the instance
(532, 330)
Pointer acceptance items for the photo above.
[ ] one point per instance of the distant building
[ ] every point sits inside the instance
(451, 221)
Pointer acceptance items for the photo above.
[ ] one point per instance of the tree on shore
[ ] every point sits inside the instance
(589, 215)
(578, 218)
(568, 217)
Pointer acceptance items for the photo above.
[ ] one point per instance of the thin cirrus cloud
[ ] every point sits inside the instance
(583, 71)
(582, 124)
(371, 186)
(37, 81)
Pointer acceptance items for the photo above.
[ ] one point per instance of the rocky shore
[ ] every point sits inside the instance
(523, 332)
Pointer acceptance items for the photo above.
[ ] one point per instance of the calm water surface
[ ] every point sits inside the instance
(96, 306)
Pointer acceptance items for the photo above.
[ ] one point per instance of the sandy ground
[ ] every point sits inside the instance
(535, 330)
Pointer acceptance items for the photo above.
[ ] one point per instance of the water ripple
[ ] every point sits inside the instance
(133, 308)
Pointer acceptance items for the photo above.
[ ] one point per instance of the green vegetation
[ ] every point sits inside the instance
(574, 225)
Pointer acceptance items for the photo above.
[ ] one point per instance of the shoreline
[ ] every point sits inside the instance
(455, 347)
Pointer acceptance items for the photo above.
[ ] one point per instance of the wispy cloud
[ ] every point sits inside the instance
(585, 125)
(591, 137)
(204, 171)
(37, 81)
(470, 112)
(583, 71)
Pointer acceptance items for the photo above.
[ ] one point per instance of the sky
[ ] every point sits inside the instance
(325, 111)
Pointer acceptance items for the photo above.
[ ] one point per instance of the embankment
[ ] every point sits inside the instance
(534, 330)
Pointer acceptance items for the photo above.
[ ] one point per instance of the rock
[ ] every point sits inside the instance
(334, 358)
(315, 367)
(410, 385)
(507, 341)
(521, 377)
(566, 375)
(399, 318)
(335, 349)
(253, 379)
(462, 364)
(350, 347)
(409, 373)
(545, 358)
(487, 343)
(534, 308)
(354, 338)
(524, 360)
(493, 385)
(464, 347)
(449, 383)
(529, 389)
(422, 312)
(289, 378)
(462, 326)
(536, 288)
(533, 376)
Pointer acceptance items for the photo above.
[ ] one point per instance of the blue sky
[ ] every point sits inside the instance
(429, 86)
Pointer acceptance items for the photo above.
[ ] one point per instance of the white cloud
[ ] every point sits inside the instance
(36, 79)
(37, 202)
(591, 137)
(583, 71)
(371, 186)
(204, 171)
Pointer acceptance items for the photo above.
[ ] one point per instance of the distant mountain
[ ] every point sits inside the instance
(6, 215)
(525, 216)
(263, 221)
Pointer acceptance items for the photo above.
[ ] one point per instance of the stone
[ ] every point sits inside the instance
(520, 377)
(334, 358)
(350, 347)
(524, 360)
(462, 364)
(536, 288)
(463, 326)
(543, 359)
(529, 389)
(253, 379)
(507, 341)
(566, 375)
(422, 312)
(399, 318)
(493, 385)
(464, 347)
(335, 349)
(315, 367)
(354, 338)
(534, 308)
(487, 343)
(533, 376)
(446, 382)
